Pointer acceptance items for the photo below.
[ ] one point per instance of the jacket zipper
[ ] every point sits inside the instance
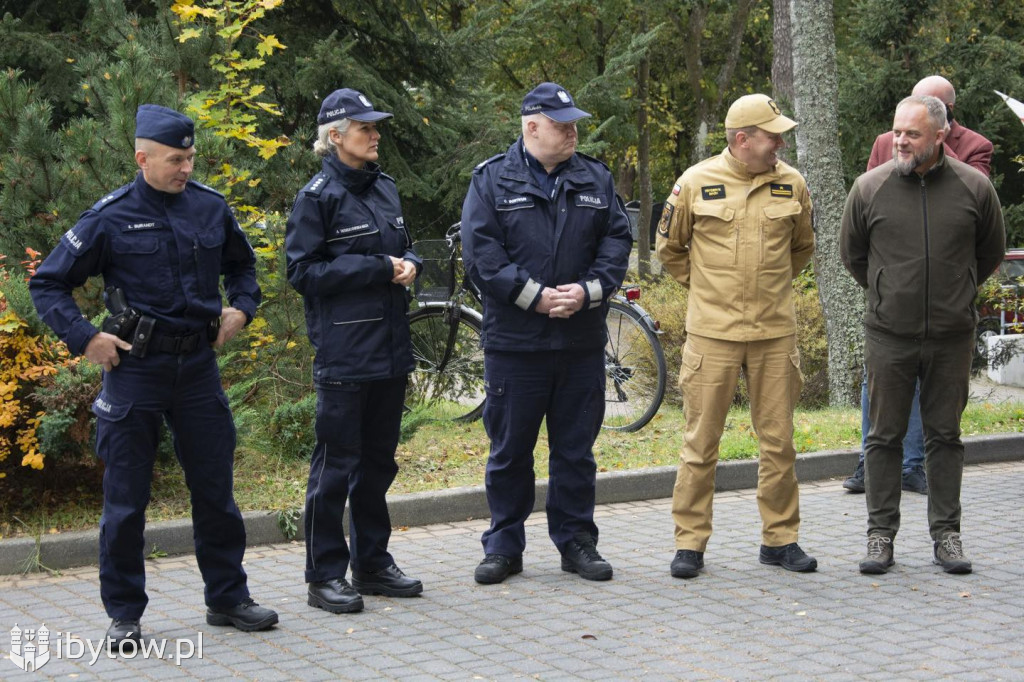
(927, 257)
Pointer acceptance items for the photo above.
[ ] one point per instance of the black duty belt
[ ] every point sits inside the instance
(178, 345)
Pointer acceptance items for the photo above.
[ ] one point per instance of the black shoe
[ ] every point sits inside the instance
(879, 557)
(390, 582)
(334, 596)
(687, 563)
(496, 567)
(121, 630)
(790, 557)
(246, 615)
(949, 553)
(914, 481)
(581, 557)
(855, 483)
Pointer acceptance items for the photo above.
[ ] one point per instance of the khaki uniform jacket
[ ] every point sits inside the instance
(736, 241)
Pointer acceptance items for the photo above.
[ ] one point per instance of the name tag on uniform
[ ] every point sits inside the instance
(512, 203)
(709, 192)
(352, 231)
(591, 200)
(782, 190)
(139, 227)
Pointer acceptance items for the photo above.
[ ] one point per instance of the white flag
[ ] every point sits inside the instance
(1018, 107)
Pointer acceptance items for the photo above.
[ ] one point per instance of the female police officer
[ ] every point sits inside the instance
(349, 255)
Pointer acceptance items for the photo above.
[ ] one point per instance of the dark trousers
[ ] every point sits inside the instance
(357, 429)
(894, 365)
(566, 387)
(137, 397)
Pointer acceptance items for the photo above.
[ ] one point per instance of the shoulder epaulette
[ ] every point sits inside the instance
(588, 157)
(111, 198)
(385, 175)
(490, 160)
(316, 184)
(201, 186)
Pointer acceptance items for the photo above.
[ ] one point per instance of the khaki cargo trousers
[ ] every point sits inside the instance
(708, 378)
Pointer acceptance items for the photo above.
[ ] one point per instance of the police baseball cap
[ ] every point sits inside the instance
(760, 111)
(348, 103)
(166, 126)
(552, 100)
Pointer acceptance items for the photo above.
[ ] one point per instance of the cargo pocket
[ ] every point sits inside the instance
(690, 384)
(108, 412)
(796, 377)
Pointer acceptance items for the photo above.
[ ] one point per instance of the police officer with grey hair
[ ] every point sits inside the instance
(163, 244)
(547, 240)
(350, 256)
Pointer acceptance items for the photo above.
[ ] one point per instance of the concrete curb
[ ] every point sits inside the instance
(66, 550)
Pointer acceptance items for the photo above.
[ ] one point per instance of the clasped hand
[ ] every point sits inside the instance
(405, 271)
(562, 301)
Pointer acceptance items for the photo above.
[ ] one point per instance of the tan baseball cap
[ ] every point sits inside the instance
(760, 111)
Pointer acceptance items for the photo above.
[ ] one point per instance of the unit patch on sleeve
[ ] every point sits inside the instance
(782, 190)
(666, 219)
(709, 192)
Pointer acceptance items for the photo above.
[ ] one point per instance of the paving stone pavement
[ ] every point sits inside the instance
(738, 621)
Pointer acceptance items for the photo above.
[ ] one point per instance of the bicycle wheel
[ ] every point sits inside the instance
(456, 389)
(635, 369)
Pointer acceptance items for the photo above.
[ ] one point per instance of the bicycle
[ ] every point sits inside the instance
(445, 330)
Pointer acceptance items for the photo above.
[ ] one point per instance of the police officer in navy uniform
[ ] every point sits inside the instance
(547, 240)
(162, 244)
(350, 256)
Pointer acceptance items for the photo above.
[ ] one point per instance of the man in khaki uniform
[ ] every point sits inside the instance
(735, 231)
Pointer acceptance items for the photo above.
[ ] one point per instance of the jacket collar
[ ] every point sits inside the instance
(740, 168)
(514, 166)
(355, 180)
(151, 194)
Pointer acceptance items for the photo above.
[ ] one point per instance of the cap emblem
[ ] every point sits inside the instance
(564, 96)
(366, 102)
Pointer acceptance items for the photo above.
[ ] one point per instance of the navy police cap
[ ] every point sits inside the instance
(166, 126)
(552, 100)
(348, 103)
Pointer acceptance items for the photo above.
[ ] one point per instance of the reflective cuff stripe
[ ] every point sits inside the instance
(526, 296)
(595, 293)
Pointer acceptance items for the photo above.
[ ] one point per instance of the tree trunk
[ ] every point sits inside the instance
(782, 68)
(816, 95)
(643, 232)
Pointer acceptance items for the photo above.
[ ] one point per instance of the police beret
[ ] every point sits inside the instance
(166, 126)
(348, 103)
(552, 100)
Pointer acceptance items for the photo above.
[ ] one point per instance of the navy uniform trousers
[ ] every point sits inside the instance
(357, 430)
(137, 397)
(566, 387)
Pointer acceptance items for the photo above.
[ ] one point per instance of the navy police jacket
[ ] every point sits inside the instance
(516, 240)
(166, 251)
(344, 226)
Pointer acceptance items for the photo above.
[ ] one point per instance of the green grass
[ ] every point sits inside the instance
(442, 455)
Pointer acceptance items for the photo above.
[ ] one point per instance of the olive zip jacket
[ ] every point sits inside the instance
(921, 245)
(736, 241)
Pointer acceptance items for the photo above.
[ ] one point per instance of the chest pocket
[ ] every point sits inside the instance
(206, 248)
(715, 241)
(141, 263)
(590, 200)
(776, 233)
(398, 225)
(513, 203)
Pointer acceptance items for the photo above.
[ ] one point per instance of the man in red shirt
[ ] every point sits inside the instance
(961, 143)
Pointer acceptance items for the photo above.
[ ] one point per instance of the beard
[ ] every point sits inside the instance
(907, 167)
